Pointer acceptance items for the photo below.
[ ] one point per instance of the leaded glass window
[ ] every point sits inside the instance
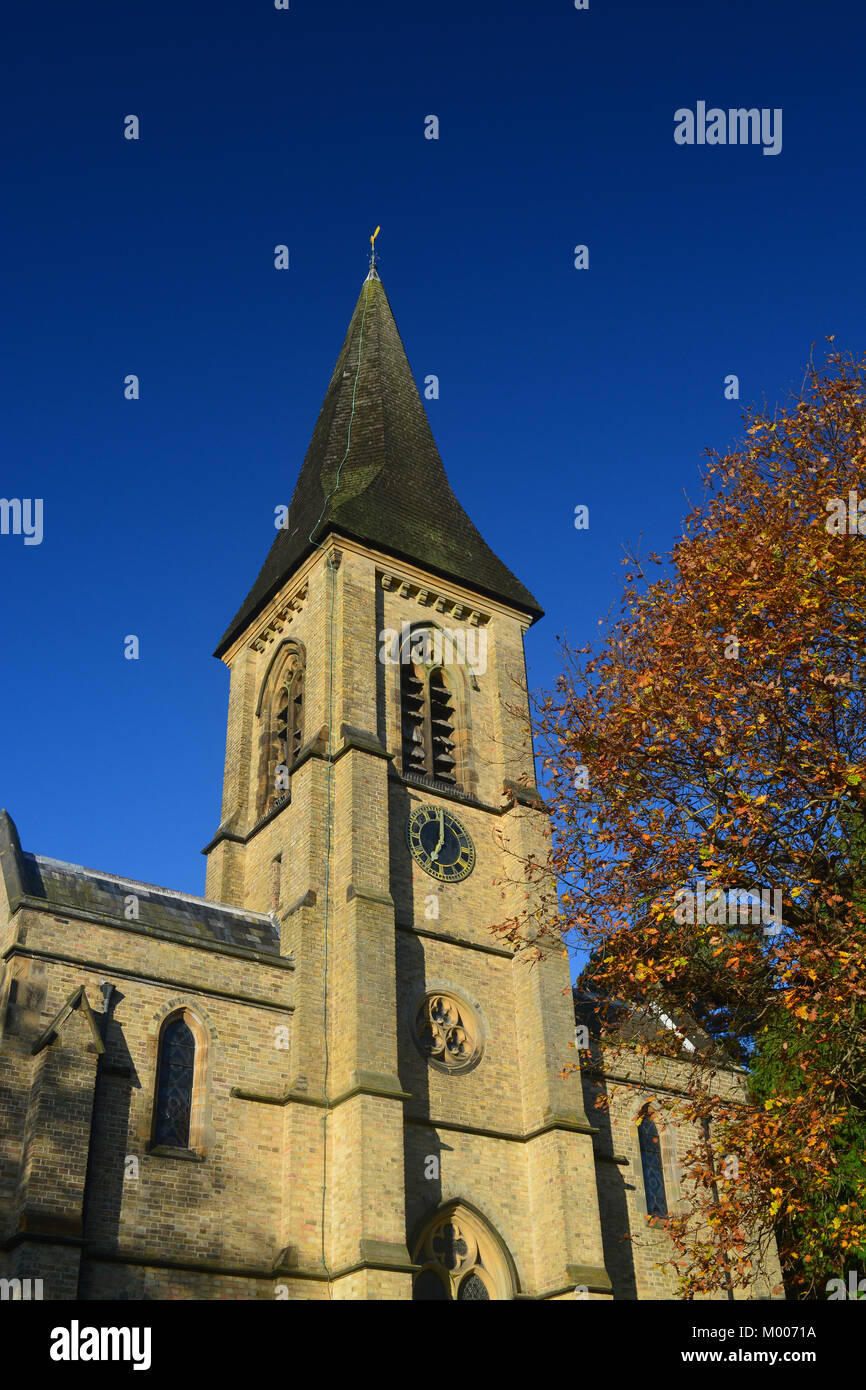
(653, 1171)
(429, 1288)
(174, 1096)
(473, 1286)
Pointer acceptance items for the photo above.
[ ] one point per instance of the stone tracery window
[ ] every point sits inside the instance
(462, 1260)
(447, 1033)
(281, 726)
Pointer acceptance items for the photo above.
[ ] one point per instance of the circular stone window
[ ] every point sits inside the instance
(447, 1033)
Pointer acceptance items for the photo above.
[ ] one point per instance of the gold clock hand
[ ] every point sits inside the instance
(440, 842)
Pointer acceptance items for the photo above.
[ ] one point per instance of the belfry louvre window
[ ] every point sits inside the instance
(428, 713)
(281, 719)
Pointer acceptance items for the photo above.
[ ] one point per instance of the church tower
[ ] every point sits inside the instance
(378, 784)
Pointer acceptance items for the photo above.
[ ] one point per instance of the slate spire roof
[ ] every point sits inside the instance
(388, 490)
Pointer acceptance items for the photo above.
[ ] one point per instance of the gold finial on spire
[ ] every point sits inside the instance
(373, 248)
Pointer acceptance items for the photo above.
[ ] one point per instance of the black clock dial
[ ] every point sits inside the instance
(440, 844)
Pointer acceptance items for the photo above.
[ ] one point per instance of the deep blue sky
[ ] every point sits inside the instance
(558, 387)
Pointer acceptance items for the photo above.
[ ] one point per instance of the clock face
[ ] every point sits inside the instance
(440, 844)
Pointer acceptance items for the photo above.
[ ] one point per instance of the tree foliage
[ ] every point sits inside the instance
(720, 720)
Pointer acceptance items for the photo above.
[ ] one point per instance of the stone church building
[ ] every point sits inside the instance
(328, 1078)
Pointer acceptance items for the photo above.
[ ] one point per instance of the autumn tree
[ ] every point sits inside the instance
(785, 1064)
(712, 745)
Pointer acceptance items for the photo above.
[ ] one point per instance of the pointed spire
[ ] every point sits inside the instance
(372, 472)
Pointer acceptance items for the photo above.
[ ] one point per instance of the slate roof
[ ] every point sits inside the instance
(631, 1021)
(71, 889)
(392, 493)
(71, 886)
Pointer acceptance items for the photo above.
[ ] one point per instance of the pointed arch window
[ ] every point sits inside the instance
(652, 1164)
(281, 726)
(428, 706)
(462, 1259)
(175, 1087)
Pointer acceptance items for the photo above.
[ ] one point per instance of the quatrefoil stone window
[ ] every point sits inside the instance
(447, 1033)
(453, 1247)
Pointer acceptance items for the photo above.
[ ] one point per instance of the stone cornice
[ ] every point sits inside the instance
(362, 740)
(454, 940)
(520, 795)
(593, 1278)
(279, 613)
(514, 793)
(307, 899)
(242, 837)
(363, 1083)
(432, 596)
(277, 1272)
(574, 1126)
(58, 1236)
(597, 1075)
(381, 899)
(278, 617)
